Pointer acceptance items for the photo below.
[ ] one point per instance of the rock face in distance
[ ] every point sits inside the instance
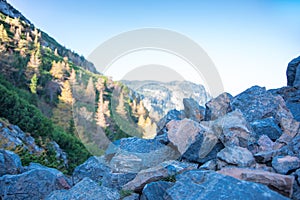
(131, 155)
(280, 183)
(86, 189)
(193, 110)
(218, 107)
(10, 163)
(204, 185)
(293, 73)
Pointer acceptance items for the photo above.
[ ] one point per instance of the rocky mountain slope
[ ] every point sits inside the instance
(241, 147)
(160, 97)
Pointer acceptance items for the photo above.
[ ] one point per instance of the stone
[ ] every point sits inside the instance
(117, 180)
(156, 190)
(163, 170)
(171, 115)
(196, 184)
(95, 168)
(193, 110)
(265, 156)
(267, 126)
(86, 189)
(292, 72)
(33, 184)
(233, 129)
(131, 155)
(257, 103)
(133, 196)
(265, 143)
(218, 107)
(194, 141)
(10, 163)
(280, 183)
(237, 156)
(285, 164)
(209, 165)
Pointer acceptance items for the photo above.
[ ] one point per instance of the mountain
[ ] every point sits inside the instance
(159, 97)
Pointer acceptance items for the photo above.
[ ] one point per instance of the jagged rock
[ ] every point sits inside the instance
(131, 155)
(33, 184)
(10, 163)
(256, 103)
(171, 115)
(204, 185)
(193, 110)
(267, 127)
(233, 129)
(296, 188)
(237, 156)
(85, 189)
(285, 164)
(133, 196)
(265, 143)
(7, 9)
(265, 156)
(94, 168)
(163, 170)
(60, 154)
(291, 96)
(117, 180)
(277, 182)
(156, 190)
(194, 141)
(218, 106)
(209, 165)
(293, 73)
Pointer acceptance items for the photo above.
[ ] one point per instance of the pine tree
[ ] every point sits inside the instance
(90, 91)
(141, 121)
(100, 118)
(73, 77)
(57, 70)
(33, 65)
(141, 109)
(121, 107)
(100, 84)
(3, 34)
(33, 84)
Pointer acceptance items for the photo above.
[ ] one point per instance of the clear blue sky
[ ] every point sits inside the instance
(250, 42)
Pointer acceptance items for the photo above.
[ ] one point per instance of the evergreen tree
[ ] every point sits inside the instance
(90, 91)
(33, 84)
(121, 106)
(57, 70)
(100, 118)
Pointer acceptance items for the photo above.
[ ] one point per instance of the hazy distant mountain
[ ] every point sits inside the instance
(160, 97)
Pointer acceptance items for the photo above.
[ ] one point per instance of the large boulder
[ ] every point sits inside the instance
(237, 156)
(267, 126)
(285, 164)
(10, 163)
(291, 96)
(86, 189)
(277, 182)
(131, 155)
(156, 190)
(204, 185)
(95, 168)
(218, 107)
(233, 129)
(293, 73)
(33, 184)
(164, 170)
(193, 110)
(117, 180)
(171, 115)
(194, 141)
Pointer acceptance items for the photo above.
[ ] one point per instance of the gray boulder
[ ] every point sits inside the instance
(267, 127)
(171, 115)
(293, 72)
(195, 142)
(94, 168)
(218, 106)
(33, 184)
(86, 189)
(193, 110)
(156, 190)
(131, 155)
(237, 156)
(204, 185)
(10, 163)
(285, 164)
(117, 180)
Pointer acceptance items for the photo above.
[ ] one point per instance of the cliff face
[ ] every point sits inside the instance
(7, 9)
(159, 97)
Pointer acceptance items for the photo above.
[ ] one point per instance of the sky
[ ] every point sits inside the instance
(250, 42)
